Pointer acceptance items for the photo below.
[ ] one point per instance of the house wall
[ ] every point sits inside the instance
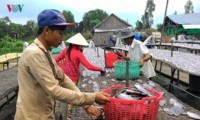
(112, 23)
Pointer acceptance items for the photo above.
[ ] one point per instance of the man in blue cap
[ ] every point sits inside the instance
(138, 51)
(41, 81)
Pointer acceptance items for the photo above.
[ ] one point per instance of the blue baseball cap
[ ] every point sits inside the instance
(51, 17)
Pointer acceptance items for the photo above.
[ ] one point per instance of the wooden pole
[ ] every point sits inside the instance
(97, 52)
(104, 51)
(172, 46)
(127, 73)
(163, 26)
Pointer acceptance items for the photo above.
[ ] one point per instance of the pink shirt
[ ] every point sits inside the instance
(72, 68)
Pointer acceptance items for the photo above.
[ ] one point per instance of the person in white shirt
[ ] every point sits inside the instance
(138, 52)
(25, 45)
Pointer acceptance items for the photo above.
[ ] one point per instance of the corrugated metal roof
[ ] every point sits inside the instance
(186, 19)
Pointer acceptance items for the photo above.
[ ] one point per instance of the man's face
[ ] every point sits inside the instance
(54, 37)
(128, 41)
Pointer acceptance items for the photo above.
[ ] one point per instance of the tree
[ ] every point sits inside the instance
(189, 7)
(139, 25)
(147, 18)
(80, 27)
(92, 18)
(70, 19)
(4, 26)
(30, 28)
(159, 27)
(6, 19)
(68, 16)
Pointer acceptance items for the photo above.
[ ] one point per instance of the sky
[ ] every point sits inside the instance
(128, 10)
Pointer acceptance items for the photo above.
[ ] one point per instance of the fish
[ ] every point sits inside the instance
(193, 115)
(140, 88)
(123, 96)
(135, 93)
(116, 91)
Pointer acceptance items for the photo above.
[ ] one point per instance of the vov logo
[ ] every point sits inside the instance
(15, 8)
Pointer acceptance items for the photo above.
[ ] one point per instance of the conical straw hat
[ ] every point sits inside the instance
(78, 39)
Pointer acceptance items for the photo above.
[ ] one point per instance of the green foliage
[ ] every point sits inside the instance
(94, 22)
(68, 16)
(16, 31)
(29, 27)
(18, 44)
(67, 36)
(3, 29)
(4, 44)
(139, 25)
(11, 46)
(159, 27)
(147, 18)
(10, 50)
(189, 7)
(92, 18)
(6, 38)
(70, 19)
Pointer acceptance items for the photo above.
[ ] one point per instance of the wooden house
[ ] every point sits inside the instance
(108, 29)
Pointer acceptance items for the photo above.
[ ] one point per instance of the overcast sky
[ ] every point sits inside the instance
(128, 10)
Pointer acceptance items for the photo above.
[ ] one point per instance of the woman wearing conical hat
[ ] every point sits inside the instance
(73, 57)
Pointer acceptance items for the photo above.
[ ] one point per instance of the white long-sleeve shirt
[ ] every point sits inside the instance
(137, 51)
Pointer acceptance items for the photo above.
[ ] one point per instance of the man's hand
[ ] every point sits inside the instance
(141, 62)
(144, 59)
(121, 55)
(118, 53)
(94, 111)
(101, 98)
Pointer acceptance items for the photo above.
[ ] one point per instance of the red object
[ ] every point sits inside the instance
(111, 57)
(144, 109)
(72, 68)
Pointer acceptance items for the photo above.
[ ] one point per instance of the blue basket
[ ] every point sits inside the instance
(120, 70)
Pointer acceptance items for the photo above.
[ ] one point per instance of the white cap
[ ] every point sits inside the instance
(78, 39)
